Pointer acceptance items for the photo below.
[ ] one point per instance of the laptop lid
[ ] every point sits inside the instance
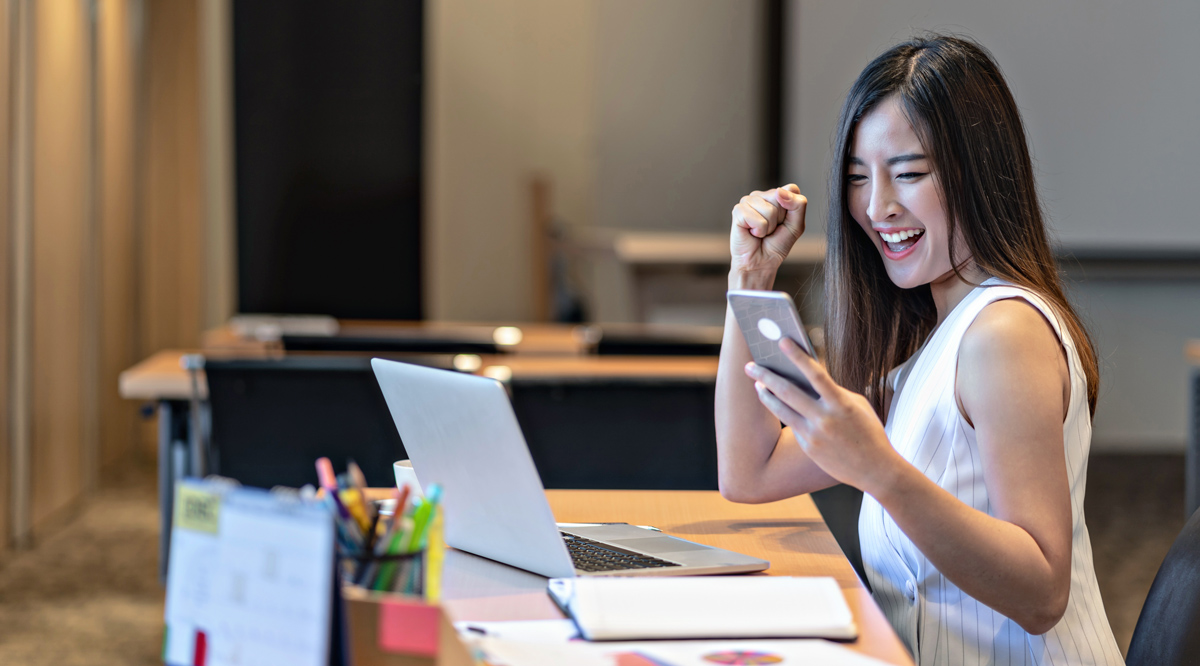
(460, 431)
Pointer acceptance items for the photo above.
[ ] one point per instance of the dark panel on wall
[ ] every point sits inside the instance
(773, 82)
(327, 114)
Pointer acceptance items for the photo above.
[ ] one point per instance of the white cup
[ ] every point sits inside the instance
(405, 474)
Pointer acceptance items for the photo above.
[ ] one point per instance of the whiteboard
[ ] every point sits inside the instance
(1109, 91)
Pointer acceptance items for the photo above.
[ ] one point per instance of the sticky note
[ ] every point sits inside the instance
(408, 627)
(196, 509)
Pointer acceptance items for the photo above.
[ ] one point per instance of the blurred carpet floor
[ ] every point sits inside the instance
(89, 594)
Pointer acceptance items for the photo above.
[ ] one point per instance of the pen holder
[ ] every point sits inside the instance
(401, 574)
(395, 630)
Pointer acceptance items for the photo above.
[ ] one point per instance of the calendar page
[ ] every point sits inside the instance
(250, 578)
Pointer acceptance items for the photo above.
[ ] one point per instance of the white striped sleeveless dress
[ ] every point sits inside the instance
(939, 623)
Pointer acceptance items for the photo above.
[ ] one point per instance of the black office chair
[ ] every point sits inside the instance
(1168, 630)
(653, 340)
(606, 433)
(271, 419)
(839, 506)
(379, 343)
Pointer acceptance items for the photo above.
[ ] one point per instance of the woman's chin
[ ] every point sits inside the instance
(906, 280)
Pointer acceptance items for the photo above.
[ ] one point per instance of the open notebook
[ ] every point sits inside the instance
(705, 607)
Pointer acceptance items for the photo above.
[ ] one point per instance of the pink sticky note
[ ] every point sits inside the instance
(408, 628)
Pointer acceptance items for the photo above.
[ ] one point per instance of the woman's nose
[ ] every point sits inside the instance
(883, 204)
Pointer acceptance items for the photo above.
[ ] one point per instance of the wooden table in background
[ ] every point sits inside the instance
(790, 534)
(162, 377)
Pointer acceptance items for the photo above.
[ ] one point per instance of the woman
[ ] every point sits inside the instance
(960, 383)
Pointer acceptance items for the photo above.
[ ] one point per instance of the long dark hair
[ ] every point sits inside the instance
(968, 123)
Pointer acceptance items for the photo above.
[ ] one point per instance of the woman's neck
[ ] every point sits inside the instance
(949, 290)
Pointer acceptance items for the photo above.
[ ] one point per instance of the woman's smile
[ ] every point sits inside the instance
(898, 243)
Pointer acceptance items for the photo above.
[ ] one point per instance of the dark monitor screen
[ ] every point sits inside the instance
(327, 130)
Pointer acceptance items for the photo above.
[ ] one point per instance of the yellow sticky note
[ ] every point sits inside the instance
(196, 509)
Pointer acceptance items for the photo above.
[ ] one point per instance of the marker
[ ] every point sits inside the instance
(383, 541)
(396, 546)
(423, 515)
(401, 496)
(353, 502)
(359, 481)
(328, 481)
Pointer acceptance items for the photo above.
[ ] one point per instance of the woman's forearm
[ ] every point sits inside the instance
(756, 461)
(995, 561)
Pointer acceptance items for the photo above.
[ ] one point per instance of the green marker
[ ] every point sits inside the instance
(422, 517)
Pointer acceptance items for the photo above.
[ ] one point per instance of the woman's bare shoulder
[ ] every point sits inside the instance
(1010, 355)
(1009, 325)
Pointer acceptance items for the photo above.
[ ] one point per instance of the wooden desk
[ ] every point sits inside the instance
(162, 377)
(790, 534)
(534, 338)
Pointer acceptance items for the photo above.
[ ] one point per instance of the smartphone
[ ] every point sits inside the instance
(765, 318)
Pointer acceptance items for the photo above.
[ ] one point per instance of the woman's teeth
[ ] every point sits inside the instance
(901, 240)
(900, 236)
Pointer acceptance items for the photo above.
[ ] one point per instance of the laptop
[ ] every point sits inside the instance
(460, 432)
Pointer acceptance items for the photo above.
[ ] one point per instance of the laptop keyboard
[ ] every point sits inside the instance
(591, 556)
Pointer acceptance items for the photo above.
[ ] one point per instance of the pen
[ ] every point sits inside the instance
(359, 481)
(353, 501)
(423, 515)
(401, 495)
(372, 532)
(328, 481)
(381, 543)
(398, 542)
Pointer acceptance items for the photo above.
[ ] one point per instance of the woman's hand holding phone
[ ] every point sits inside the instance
(765, 227)
(838, 430)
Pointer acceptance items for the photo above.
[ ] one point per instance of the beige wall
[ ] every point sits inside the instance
(172, 238)
(641, 115)
(61, 254)
(216, 131)
(679, 120)
(7, 46)
(101, 234)
(509, 96)
(117, 124)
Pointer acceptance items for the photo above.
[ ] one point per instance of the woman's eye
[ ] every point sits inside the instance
(856, 178)
(911, 175)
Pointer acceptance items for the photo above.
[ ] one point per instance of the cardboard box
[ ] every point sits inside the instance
(395, 630)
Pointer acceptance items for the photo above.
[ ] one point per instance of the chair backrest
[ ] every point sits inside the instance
(655, 340)
(381, 342)
(271, 420)
(1168, 630)
(839, 506)
(610, 433)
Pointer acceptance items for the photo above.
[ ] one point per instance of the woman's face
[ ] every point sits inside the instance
(895, 198)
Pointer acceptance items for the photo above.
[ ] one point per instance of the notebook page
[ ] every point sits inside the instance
(705, 607)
